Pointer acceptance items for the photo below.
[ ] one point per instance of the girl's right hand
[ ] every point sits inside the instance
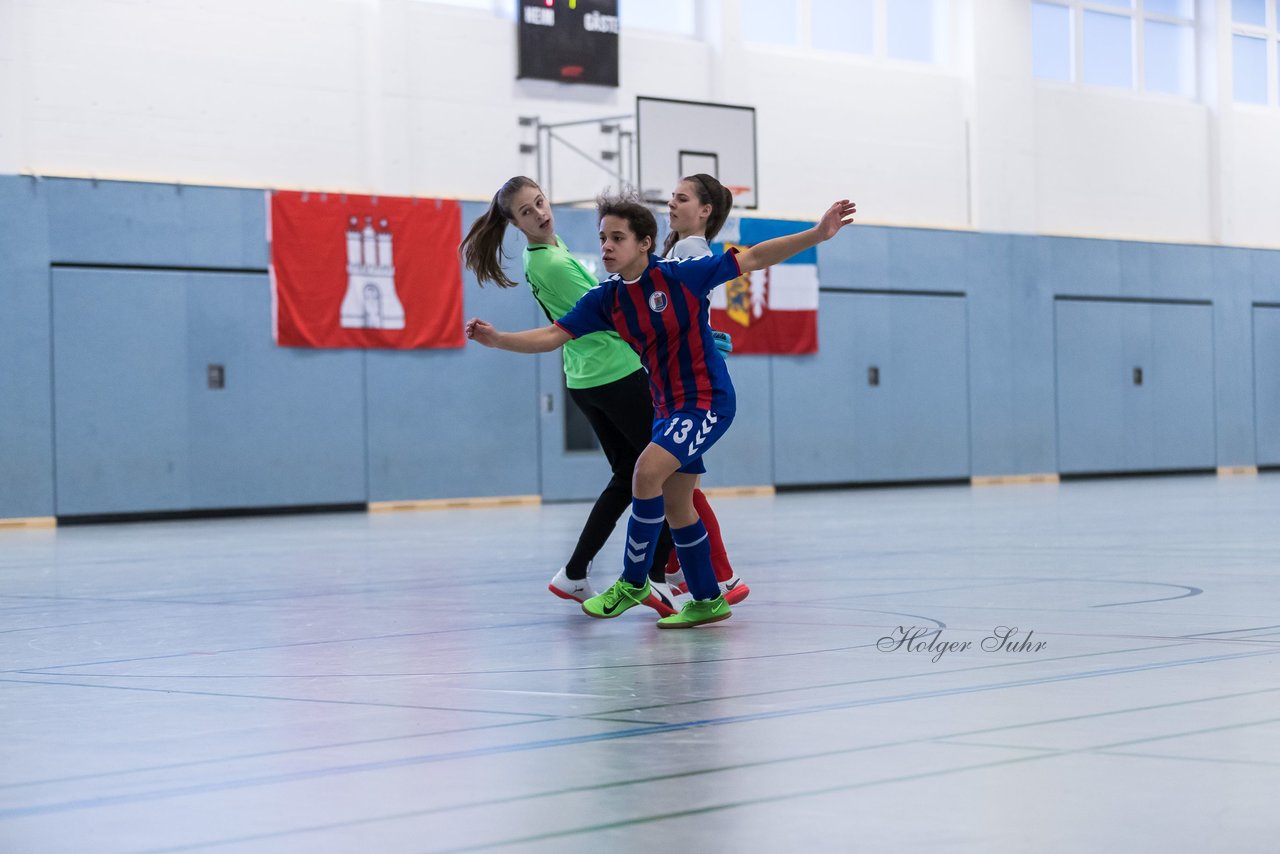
(481, 331)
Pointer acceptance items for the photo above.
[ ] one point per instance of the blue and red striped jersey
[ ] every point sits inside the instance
(664, 316)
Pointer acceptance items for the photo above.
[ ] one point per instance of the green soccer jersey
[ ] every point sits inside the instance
(558, 281)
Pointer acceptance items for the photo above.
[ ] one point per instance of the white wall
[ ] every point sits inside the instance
(1121, 165)
(891, 138)
(11, 126)
(406, 97)
(1253, 158)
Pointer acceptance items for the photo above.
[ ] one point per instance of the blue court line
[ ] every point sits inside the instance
(1260, 763)
(63, 626)
(946, 740)
(596, 716)
(878, 679)
(276, 646)
(264, 754)
(32, 600)
(1191, 591)
(496, 802)
(827, 790)
(250, 597)
(1077, 609)
(320, 701)
(474, 753)
(1015, 581)
(600, 716)
(1231, 632)
(1046, 754)
(735, 767)
(1257, 637)
(1007, 582)
(828, 606)
(934, 620)
(43, 671)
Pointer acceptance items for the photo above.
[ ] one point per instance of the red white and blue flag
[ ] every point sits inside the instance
(773, 311)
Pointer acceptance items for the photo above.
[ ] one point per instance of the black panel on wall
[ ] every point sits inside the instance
(571, 41)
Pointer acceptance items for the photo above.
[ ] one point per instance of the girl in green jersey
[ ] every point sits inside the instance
(602, 373)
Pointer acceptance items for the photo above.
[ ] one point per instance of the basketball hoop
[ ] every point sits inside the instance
(738, 191)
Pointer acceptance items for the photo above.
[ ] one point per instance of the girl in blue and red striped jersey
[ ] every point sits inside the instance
(699, 206)
(661, 309)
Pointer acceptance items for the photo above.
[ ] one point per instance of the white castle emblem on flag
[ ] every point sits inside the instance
(371, 301)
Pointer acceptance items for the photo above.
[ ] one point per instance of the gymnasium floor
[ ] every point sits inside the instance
(405, 683)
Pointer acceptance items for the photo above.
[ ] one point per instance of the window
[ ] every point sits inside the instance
(1249, 69)
(1172, 8)
(668, 16)
(770, 21)
(1147, 45)
(486, 5)
(1108, 49)
(1249, 12)
(499, 7)
(844, 25)
(908, 30)
(1255, 48)
(1051, 53)
(1167, 65)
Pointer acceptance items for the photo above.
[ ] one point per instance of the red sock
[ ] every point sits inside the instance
(673, 563)
(719, 557)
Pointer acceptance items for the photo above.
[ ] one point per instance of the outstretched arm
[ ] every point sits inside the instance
(541, 340)
(779, 249)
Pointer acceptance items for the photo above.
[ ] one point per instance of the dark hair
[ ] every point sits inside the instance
(629, 207)
(710, 192)
(481, 249)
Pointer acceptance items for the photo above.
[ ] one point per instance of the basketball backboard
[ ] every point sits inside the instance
(678, 138)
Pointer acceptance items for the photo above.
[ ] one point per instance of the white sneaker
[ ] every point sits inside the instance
(734, 590)
(661, 599)
(675, 580)
(565, 587)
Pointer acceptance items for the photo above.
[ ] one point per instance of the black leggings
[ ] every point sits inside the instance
(621, 414)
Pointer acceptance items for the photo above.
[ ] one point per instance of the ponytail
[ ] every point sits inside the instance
(719, 208)
(481, 249)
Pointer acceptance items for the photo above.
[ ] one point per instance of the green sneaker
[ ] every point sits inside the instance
(615, 600)
(697, 613)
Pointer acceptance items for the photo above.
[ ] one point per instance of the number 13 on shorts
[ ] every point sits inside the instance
(688, 434)
(680, 434)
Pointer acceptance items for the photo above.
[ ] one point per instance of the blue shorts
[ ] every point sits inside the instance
(688, 434)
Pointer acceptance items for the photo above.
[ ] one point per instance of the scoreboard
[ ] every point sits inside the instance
(572, 41)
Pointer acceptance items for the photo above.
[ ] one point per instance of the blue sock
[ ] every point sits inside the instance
(694, 551)
(642, 538)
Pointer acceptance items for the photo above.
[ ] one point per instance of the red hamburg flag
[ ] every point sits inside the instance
(365, 271)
